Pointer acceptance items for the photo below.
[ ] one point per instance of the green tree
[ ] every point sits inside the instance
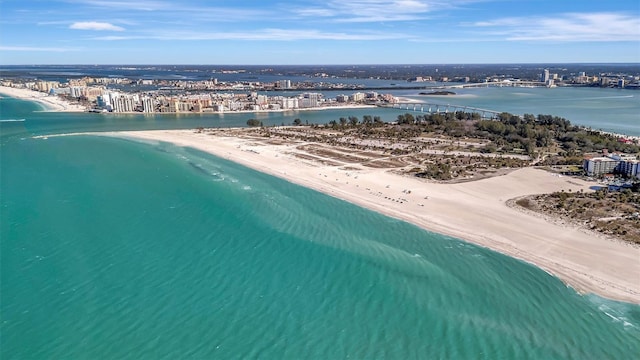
(254, 122)
(529, 118)
(406, 119)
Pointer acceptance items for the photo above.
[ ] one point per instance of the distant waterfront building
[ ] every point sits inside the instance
(148, 105)
(545, 76)
(342, 98)
(76, 91)
(310, 100)
(103, 101)
(356, 97)
(60, 91)
(288, 103)
(284, 84)
(46, 86)
(177, 106)
(92, 93)
(121, 102)
(261, 100)
(233, 105)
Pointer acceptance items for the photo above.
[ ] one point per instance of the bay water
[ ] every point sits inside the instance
(614, 110)
(116, 249)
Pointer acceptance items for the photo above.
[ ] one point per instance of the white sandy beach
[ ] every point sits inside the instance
(50, 102)
(474, 211)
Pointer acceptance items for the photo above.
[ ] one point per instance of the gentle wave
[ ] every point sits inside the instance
(595, 98)
(168, 264)
(12, 120)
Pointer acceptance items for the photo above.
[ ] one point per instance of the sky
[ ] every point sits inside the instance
(266, 32)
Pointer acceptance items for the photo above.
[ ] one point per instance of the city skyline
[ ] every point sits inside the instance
(314, 32)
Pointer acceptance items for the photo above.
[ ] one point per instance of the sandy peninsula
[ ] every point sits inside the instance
(49, 102)
(474, 211)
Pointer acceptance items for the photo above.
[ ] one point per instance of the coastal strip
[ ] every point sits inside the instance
(475, 211)
(50, 102)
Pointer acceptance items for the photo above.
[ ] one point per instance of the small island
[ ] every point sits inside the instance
(439, 93)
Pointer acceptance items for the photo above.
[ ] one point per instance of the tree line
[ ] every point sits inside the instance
(507, 132)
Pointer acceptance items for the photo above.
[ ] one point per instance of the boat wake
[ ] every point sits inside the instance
(599, 98)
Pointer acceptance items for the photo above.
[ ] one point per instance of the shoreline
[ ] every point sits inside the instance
(476, 212)
(50, 103)
(57, 104)
(267, 111)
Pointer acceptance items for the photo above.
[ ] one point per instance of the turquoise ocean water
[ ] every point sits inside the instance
(114, 249)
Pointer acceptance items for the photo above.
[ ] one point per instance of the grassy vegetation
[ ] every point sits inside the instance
(528, 134)
(463, 146)
(612, 213)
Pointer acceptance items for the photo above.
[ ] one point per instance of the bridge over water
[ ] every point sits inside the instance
(506, 83)
(443, 109)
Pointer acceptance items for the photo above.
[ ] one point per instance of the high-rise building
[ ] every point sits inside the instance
(544, 77)
(289, 103)
(600, 165)
(284, 84)
(148, 105)
(121, 102)
(355, 97)
(310, 100)
(76, 91)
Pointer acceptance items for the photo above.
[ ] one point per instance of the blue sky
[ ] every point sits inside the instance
(318, 32)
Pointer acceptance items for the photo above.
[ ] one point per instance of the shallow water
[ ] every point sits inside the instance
(111, 248)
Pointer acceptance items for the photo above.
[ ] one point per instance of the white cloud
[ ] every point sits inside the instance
(165, 10)
(346, 11)
(259, 35)
(116, 38)
(367, 10)
(95, 25)
(602, 26)
(141, 5)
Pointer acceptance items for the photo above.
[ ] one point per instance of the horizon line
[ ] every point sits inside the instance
(330, 64)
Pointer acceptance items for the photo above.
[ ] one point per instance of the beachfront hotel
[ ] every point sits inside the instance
(612, 164)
